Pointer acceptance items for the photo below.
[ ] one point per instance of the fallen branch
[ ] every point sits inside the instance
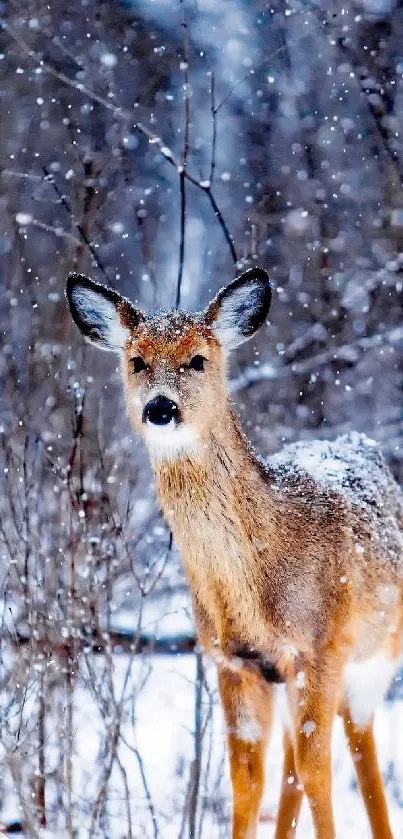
(117, 640)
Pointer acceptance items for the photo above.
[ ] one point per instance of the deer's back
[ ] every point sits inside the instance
(351, 466)
(353, 470)
(348, 477)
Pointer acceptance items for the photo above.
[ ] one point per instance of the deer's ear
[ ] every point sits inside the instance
(103, 316)
(240, 308)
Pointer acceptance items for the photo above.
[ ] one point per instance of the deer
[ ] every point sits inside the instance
(295, 564)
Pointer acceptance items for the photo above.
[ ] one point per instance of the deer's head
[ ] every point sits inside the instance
(173, 363)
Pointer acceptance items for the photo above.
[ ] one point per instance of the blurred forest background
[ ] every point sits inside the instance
(162, 146)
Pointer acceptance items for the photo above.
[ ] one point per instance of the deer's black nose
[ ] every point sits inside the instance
(160, 411)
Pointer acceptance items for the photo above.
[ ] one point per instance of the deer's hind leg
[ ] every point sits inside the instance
(248, 704)
(291, 793)
(366, 686)
(361, 743)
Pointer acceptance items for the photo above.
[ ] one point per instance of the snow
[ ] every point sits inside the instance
(108, 59)
(353, 467)
(163, 735)
(23, 219)
(351, 464)
(164, 715)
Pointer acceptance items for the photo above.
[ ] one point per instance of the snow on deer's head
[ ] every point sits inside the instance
(173, 363)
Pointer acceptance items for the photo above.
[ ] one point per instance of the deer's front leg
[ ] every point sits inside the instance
(314, 699)
(247, 702)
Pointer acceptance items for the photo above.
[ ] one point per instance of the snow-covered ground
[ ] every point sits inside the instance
(164, 725)
(164, 714)
(157, 747)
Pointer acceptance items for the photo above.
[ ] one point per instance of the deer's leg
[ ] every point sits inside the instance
(361, 743)
(247, 702)
(313, 708)
(291, 794)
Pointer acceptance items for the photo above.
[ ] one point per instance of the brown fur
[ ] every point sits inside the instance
(289, 574)
(264, 558)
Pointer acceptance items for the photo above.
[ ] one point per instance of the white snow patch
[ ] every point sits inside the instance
(248, 729)
(109, 59)
(351, 465)
(23, 219)
(308, 727)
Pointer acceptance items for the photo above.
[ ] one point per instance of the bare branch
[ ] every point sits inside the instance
(219, 216)
(349, 353)
(198, 737)
(64, 202)
(185, 153)
(148, 794)
(127, 116)
(213, 110)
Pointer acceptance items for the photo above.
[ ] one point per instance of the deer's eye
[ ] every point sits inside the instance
(138, 364)
(197, 363)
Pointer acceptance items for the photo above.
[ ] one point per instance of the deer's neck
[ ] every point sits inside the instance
(223, 517)
(224, 468)
(216, 501)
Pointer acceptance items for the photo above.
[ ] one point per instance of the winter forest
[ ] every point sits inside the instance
(162, 147)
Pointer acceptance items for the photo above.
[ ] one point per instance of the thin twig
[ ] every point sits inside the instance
(186, 91)
(127, 116)
(213, 110)
(198, 737)
(88, 198)
(127, 793)
(57, 73)
(41, 788)
(220, 219)
(208, 725)
(147, 793)
(185, 153)
(252, 71)
(64, 202)
(55, 231)
(381, 134)
(182, 231)
(116, 735)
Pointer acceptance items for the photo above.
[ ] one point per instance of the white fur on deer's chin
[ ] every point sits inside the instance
(172, 441)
